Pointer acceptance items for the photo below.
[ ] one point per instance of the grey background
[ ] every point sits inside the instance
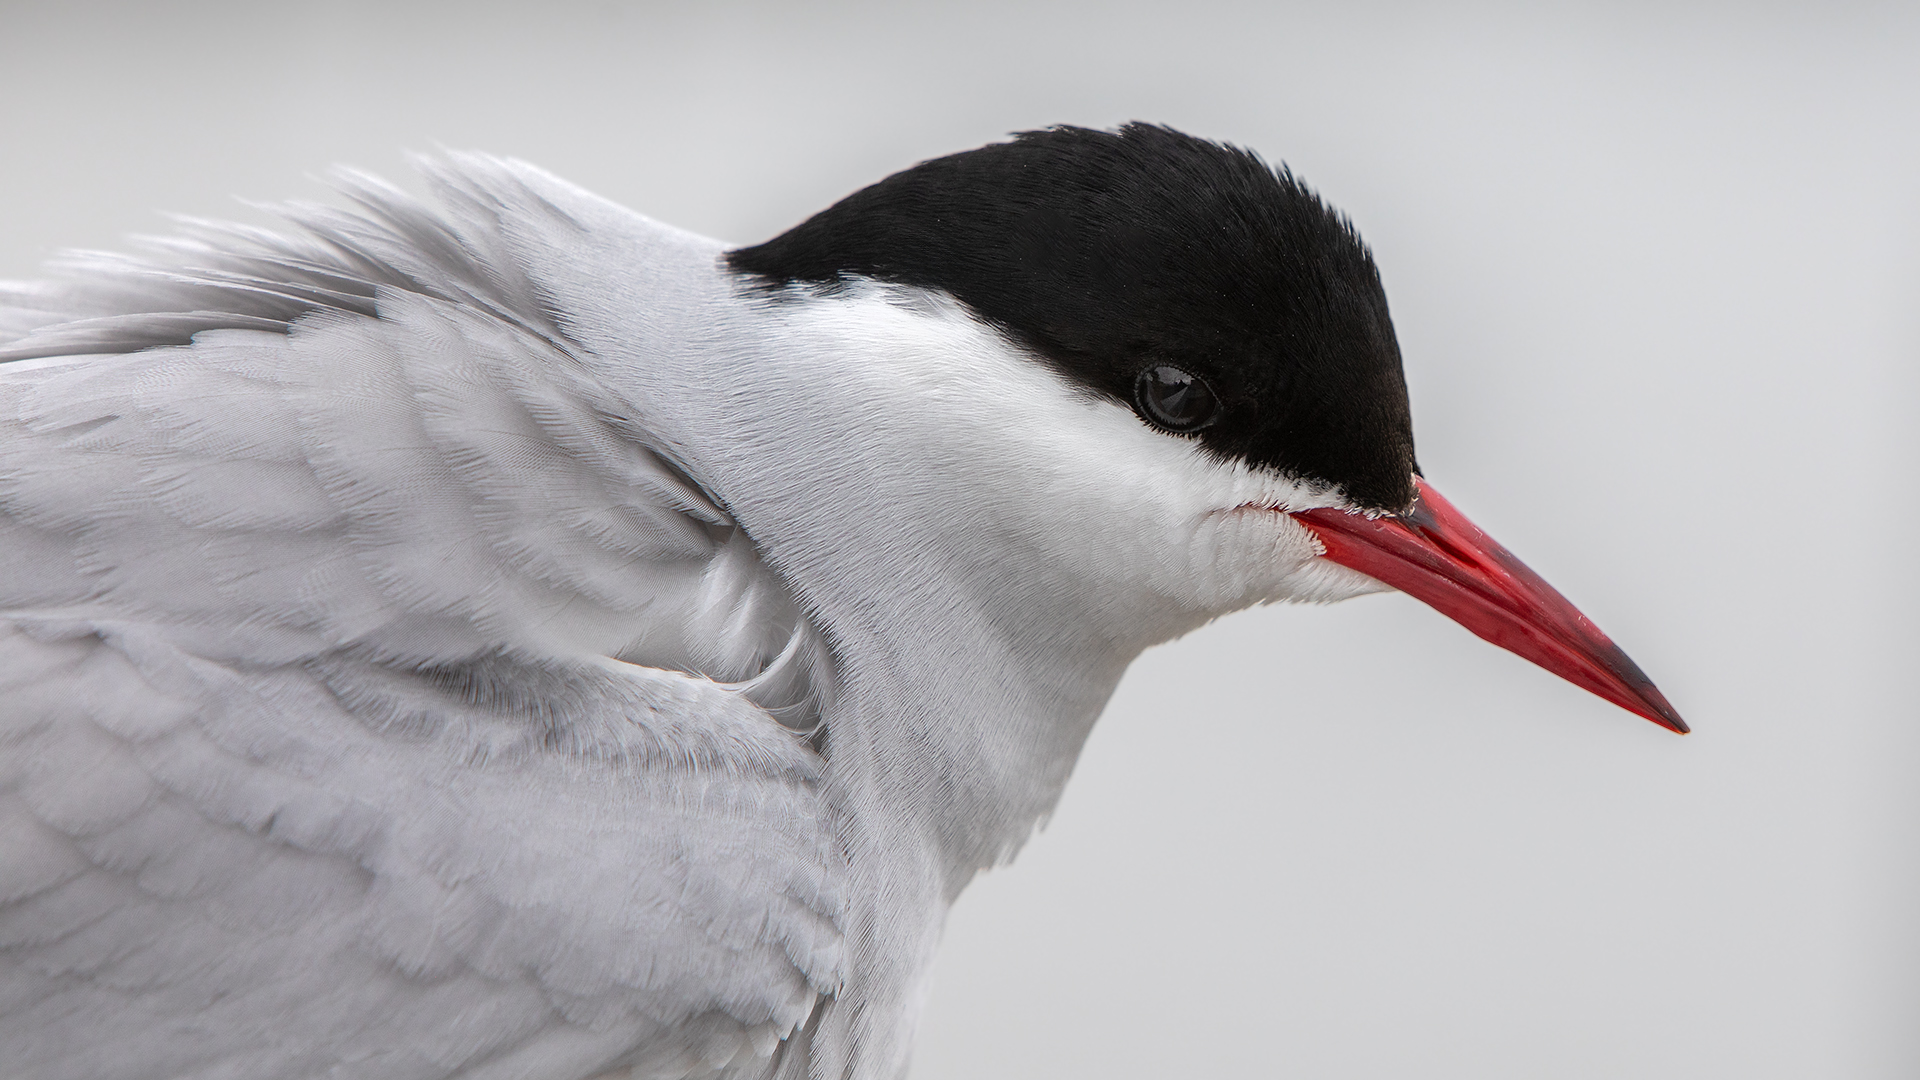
(1654, 272)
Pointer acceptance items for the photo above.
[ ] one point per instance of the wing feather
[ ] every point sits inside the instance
(645, 870)
(357, 699)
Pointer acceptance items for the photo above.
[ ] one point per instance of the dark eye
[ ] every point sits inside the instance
(1174, 399)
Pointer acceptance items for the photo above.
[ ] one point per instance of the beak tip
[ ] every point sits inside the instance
(1660, 712)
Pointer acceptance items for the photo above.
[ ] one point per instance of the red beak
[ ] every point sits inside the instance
(1434, 554)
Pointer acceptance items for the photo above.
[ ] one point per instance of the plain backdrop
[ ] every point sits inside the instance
(1654, 270)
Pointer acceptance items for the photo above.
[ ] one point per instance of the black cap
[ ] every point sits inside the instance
(1109, 254)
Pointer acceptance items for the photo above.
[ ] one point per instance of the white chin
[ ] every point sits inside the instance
(1320, 581)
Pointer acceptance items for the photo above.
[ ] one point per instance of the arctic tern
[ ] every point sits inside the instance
(505, 636)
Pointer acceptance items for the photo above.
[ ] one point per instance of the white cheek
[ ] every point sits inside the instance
(968, 446)
(1253, 555)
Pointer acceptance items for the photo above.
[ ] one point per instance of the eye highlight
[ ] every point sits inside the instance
(1175, 399)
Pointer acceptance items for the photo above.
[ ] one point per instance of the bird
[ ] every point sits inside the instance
(493, 634)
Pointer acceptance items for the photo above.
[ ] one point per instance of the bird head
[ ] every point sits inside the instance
(1145, 379)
